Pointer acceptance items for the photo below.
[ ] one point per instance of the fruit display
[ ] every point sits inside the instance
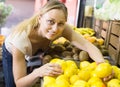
(62, 48)
(79, 70)
(84, 31)
(84, 74)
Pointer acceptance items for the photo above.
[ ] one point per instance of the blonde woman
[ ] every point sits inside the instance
(37, 33)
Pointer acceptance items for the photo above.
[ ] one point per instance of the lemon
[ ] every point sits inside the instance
(84, 74)
(70, 71)
(118, 76)
(91, 66)
(103, 70)
(80, 83)
(60, 82)
(48, 80)
(74, 78)
(60, 77)
(62, 63)
(116, 70)
(71, 63)
(93, 80)
(54, 60)
(113, 83)
(98, 84)
(84, 64)
(94, 74)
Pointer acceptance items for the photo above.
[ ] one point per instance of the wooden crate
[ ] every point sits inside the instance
(102, 28)
(114, 41)
(110, 32)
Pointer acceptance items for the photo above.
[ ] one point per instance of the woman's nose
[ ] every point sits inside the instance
(55, 27)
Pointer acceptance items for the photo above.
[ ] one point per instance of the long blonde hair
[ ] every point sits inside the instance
(32, 23)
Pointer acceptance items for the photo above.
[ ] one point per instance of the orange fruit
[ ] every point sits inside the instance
(100, 41)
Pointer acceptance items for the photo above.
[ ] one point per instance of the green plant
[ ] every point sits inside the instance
(5, 11)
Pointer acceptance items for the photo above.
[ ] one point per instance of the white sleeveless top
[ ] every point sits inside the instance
(21, 42)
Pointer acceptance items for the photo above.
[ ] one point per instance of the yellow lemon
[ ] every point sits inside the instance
(71, 63)
(98, 84)
(116, 70)
(84, 64)
(103, 70)
(93, 74)
(113, 83)
(118, 76)
(91, 66)
(48, 80)
(70, 71)
(62, 82)
(54, 60)
(93, 80)
(80, 83)
(60, 77)
(84, 74)
(74, 78)
(62, 63)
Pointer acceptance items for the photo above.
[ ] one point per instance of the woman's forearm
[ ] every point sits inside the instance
(94, 53)
(27, 81)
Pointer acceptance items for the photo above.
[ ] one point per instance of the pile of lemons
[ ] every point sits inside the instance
(84, 74)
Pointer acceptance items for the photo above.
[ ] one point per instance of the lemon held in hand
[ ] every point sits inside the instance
(103, 70)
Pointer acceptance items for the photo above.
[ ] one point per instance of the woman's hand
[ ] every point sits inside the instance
(108, 77)
(49, 69)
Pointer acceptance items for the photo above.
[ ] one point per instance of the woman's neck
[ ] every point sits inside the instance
(37, 41)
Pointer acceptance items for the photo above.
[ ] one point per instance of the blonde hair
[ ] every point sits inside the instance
(32, 23)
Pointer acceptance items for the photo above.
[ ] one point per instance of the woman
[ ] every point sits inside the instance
(37, 33)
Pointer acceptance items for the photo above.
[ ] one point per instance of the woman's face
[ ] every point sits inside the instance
(52, 24)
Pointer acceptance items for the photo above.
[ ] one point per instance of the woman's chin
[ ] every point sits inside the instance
(50, 37)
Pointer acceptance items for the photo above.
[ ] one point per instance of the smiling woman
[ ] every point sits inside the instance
(36, 34)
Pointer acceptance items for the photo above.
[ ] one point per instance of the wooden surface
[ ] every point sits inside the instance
(110, 32)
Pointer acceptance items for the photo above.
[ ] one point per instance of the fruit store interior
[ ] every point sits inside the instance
(96, 22)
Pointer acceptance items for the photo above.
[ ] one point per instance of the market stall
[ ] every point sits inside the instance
(107, 26)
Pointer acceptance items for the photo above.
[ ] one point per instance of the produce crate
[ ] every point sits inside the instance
(114, 41)
(110, 32)
(102, 29)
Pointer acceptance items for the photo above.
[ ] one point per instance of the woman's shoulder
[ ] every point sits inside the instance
(20, 41)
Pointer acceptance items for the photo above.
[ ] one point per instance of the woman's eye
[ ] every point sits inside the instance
(50, 22)
(61, 24)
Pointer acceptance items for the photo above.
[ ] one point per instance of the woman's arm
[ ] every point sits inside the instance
(20, 70)
(80, 42)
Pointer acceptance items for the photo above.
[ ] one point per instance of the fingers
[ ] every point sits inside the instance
(109, 77)
(52, 69)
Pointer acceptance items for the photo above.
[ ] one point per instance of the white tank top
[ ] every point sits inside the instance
(21, 42)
